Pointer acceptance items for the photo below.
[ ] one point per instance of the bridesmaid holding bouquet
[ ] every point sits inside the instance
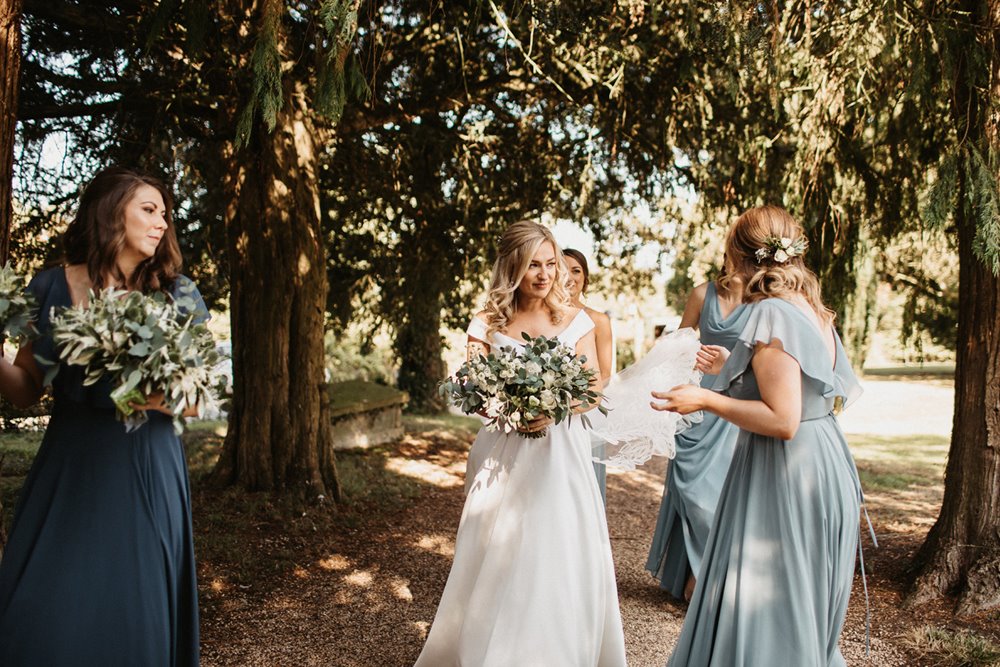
(99, 568)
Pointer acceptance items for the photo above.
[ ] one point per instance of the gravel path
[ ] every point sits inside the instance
(369, 598)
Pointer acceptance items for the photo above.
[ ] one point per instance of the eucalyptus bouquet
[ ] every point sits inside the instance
(512, 387)
(142, 344)
(17, 306)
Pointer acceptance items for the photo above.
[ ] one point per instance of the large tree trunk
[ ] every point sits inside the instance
(10, 73)
(419, 345)
(279, 429)
(962, 552)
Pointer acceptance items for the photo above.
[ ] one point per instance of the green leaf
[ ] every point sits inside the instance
(139, 349)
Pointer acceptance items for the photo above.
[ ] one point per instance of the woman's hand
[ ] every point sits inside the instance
(537, 424)
(155, 402)
(682, 399)
(711, 359)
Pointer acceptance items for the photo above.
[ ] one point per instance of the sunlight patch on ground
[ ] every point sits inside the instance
(361, 578)
(422, 627)
(910, 511)
(401, 589)
(441, 545)
(642, 479)
(425, 471)
(335, 563)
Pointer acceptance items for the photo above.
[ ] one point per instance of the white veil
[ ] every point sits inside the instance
(632, 432)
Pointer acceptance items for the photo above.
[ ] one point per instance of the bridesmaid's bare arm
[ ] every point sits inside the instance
(21, 381)
(776, 414)
(588, 346)
(692, 309)
(603, 339)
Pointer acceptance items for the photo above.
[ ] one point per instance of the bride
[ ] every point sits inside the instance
(532, 582)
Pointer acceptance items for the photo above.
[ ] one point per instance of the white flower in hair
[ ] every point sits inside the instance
(780, 249)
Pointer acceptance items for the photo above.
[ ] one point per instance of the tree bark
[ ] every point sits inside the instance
(419, 346)
(10, 73)
(279, 429)
(962, 552)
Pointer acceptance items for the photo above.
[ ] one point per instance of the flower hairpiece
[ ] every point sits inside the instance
(781, 249)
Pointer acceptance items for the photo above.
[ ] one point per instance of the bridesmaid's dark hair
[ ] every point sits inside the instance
(96, 236)
(582, 261)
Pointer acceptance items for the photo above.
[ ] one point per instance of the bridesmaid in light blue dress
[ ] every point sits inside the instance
(776, 574)
(703, 454)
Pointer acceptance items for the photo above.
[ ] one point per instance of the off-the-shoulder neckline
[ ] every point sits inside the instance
(564, 330)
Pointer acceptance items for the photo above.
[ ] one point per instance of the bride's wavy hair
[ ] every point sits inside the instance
(765, 277)
(518, 246)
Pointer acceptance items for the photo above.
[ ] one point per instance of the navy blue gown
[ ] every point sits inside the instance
(99, 568)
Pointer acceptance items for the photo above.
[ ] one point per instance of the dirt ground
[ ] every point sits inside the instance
(361, 591)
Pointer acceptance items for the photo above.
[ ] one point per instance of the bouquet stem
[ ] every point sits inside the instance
(535, 435)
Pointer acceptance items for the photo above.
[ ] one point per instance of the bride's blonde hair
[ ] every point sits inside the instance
(518, 246)
(750, 250)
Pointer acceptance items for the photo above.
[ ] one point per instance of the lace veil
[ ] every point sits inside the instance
(633, 431)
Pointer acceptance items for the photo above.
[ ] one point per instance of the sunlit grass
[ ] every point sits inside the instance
(897, 462)
(441, 422)
(940, 647)
(18, 448)
(902, 477)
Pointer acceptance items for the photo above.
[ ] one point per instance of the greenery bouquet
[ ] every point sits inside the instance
(142, 344)
(512, 387)
(17, 306)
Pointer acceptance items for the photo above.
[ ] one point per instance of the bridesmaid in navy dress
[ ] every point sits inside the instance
(776, 574)
(99, 568)
(703, 451)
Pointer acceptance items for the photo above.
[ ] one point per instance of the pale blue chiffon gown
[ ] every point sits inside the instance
(698, 469)
(777, 570)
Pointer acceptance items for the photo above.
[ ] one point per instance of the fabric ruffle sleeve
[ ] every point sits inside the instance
(776, 319)
(477, 329)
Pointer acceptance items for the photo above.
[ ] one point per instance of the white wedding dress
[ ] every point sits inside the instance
(533, 581)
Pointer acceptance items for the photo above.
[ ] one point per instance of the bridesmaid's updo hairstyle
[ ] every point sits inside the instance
(750, 257)
(582, 261)
(96, 236)
(518, 246)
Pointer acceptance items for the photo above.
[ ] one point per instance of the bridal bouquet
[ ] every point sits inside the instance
(17, 306)
(513, 387)
(142, 344)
